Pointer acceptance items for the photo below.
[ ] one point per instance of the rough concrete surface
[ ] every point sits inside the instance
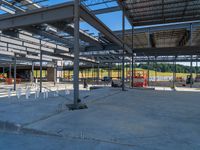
(135, 119)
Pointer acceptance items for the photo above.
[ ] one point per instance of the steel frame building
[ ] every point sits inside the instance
(162, 31)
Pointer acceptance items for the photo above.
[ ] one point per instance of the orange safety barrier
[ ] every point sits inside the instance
(140, 78)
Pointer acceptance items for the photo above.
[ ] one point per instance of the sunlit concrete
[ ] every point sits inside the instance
(135, 119)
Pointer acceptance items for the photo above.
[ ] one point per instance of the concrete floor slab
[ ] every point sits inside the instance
(140, 119)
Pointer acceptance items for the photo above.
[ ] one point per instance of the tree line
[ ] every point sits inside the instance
(162, 67)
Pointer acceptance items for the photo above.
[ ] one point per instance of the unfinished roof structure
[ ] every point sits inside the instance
(162, 30)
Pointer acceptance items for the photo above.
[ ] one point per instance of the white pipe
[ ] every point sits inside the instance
(9, 93)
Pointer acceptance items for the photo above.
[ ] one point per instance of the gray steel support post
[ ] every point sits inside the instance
(118, 70)
(110, 70)
(55, 73)
(132, 61)
(93, 72)
(148, 73)
(3, 70)
(36, 73)
(155, 69)
(191, 76)
(76, 50)
(15, 72)
(109, 75)
(126, 69)
(98, 74)
(40, 68)
(32, 72)
(123, 55)
(191, 40)
(196, 69)
(174, 72)
(149, 46)
(10, 71)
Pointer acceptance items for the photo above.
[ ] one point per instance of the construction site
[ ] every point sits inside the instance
(99, 74)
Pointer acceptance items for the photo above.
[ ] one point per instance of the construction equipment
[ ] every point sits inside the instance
(2, 77)
(116, 83)
(189, 79)
(197, 79)
(140, 78)
(11, 81)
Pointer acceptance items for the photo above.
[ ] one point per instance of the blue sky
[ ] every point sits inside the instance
(112, 20)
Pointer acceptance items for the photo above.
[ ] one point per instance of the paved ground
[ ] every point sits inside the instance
(135, 119)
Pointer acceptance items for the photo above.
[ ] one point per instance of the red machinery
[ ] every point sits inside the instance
(140, 78)
(11, 80)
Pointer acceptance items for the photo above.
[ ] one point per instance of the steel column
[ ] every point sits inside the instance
(109, 74)
(148, 74)
(126, 71)
(155, 70)
(196, 70)
(55, 73)
(174, 72)
(98, 74)
(191, 40)
(32, 72)
(40, 68)
(10, 71)
(76, 50)
(132, 61)
(93, 74)
(15, 72)
(3, 70)
(118, 71)
(149, 46)
(123, 55)
(191, 79)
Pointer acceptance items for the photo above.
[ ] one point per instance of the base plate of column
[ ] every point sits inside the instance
(76, 106)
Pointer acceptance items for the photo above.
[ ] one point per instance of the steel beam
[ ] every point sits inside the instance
(161, 51)
(121, 4)
(82, 35)
(57, 13)
(38, 16)
(48, 35)
(106, 10)
(161, 27)
(102, 28)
